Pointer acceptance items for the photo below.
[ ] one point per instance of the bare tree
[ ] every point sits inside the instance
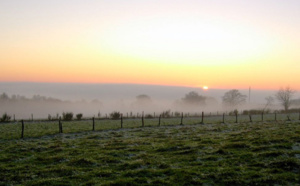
(284, 96)
(233, 98)
(270, 101)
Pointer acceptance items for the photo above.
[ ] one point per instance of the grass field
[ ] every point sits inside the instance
(190, 154)
(40, 128)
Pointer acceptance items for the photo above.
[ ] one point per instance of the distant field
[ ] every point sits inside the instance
(239, 154)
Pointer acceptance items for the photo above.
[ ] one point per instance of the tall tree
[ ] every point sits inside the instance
(284, 96)
(233, 98)
(193, 98)
(142, 100)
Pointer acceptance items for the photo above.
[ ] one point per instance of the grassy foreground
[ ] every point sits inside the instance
(238, 154)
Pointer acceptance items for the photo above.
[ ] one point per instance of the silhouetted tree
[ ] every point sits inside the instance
(115, 115)
(4, 96)
(284, 96)
(5, 117)
(193, 98)
(233, 98)
(68, 116)
(79, 116)
(143, 99)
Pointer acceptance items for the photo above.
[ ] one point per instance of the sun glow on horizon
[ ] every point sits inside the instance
(205, 87)
(224, 44)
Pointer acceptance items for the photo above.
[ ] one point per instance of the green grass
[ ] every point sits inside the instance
(259, 153)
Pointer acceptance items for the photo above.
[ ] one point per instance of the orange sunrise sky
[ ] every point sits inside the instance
(218, 44)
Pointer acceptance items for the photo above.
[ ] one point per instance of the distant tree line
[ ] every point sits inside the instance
(231, 99)
(15, 98)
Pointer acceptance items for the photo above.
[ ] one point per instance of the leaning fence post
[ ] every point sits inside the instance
(93, 123)
(159, 120)
(181, 121)
(22, 134)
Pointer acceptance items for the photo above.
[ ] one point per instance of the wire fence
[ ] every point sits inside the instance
(38, 128)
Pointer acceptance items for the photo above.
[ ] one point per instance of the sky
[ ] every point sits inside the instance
(193, 43)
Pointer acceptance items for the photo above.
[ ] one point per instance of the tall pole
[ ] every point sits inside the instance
(249, 94)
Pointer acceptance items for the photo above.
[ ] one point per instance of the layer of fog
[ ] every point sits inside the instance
(43, 99)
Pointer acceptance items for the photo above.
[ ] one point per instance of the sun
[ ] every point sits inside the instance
(205, 87)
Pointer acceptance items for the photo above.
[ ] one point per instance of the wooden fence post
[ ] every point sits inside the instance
(275, 116)
(223, 117)
(250, 117)
(121, 120)
(159, 120)
(236, 117)
(202, 118)
(288, 118)
(22, 134)
(181, 121)
(143, 120)
(60, 126)
(93, 123)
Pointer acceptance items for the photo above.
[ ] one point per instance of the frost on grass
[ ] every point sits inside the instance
(226, 154)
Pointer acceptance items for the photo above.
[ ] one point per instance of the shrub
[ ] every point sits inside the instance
(293, 110)
(166, 114)
(255, 112)
(68, 116)
(115, 115)
(49, 117)
(5, 117)
(79, 116)
(148, 116)
(234, 112)
(177, 114)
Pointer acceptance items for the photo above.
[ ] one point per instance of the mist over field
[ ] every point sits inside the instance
(42, 99)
